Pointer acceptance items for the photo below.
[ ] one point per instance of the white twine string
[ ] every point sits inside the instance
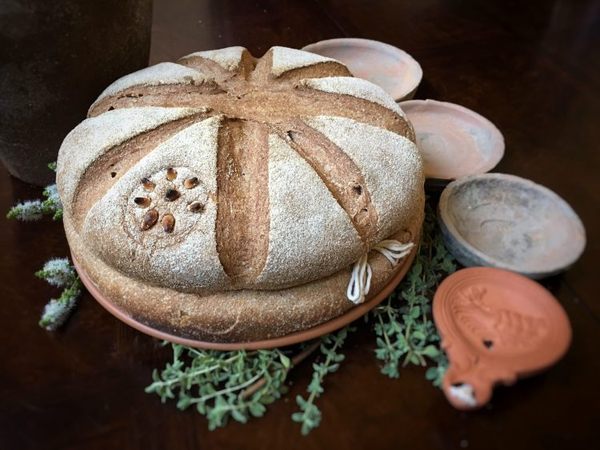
(360, 280)
(393, 250)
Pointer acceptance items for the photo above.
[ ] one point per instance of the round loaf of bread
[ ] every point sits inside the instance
(226, 198)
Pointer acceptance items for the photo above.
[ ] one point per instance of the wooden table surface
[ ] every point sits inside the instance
(530, 67)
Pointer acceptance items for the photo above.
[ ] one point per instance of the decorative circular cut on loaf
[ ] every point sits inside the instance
(223, 173)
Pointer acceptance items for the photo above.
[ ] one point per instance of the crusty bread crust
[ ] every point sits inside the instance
(226, 197)
(234, 316)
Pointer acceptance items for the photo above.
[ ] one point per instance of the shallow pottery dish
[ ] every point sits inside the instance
(509, 222)
(454, 140)
(394, 70)
(495, 326)
(229, 199)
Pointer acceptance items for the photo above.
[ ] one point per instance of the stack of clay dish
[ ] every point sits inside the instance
(511, 223)
(455, 141)
(394, 70)
(495, 326)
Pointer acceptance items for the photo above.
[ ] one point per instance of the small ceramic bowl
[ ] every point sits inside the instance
(394, 70)
(508, 222)
(455, 141)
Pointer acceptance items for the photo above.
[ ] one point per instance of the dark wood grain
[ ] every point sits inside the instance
(531, 67)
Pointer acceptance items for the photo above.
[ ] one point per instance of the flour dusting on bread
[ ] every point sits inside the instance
(185, 258)
(95, 136)
(285, 59)
(355, 87)
(309, 230)
(380, 153)
(162, 73)
(228, 58)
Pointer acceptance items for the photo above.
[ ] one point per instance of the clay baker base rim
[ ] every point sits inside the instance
(289, 339)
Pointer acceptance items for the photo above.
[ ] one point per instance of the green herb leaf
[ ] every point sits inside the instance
(309, 415)
(403, 327)
(222, 385)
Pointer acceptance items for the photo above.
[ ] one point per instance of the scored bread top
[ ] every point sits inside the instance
(223, 171)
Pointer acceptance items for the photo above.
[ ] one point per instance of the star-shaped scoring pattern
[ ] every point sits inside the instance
(279, 94)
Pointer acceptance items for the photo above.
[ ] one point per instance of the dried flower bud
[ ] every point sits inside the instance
(171, 174)
(172, 195)
(191, 183)
(196, 206)
(144, 202)
(148, 185)
(168, 223)
(149, 219)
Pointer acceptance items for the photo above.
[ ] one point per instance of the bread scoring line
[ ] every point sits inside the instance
(230, 94)
(328, 181)
(277, 131)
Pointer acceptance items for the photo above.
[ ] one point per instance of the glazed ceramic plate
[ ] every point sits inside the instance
(454, 140)
(290, 339)
(495, 326)
(392, 69)
(509, 222)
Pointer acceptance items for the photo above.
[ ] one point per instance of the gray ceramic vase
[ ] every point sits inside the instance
(55, 58)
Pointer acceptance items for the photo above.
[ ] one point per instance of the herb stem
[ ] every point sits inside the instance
(313, 394)
(196, 373)
(297, 359)
(384, 332)
(231, 389)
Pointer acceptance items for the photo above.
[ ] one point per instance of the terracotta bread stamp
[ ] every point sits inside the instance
(495, 326)
(228, 198)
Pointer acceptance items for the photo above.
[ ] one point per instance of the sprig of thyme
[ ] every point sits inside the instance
(31, 210)
(403, 327)
(223, 385)
(309, 415)
(60, 273)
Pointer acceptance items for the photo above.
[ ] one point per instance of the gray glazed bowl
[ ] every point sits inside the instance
(505, 221)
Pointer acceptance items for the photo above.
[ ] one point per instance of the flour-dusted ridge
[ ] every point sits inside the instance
(308, 229)
(382, 156)
(355, 87)
(162, 73)
(186, 258)
(285, 59)
(95, 136)
(228, 58)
